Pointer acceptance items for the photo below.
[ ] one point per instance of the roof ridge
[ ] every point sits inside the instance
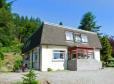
(67, 27)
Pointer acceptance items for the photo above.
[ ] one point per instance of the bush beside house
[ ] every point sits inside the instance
(11, 62)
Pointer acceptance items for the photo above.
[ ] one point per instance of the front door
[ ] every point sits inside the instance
(72, 62)
(36, 59)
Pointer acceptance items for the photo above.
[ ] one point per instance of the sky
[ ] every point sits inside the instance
(69, 12)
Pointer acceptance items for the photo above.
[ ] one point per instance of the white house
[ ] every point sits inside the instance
(59, 47)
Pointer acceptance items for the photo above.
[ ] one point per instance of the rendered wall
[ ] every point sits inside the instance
(47, 58)
(97, 54)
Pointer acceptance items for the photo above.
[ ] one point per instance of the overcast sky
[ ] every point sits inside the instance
(69, 12)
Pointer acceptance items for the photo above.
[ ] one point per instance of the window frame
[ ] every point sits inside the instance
(82, 37)
(74, 56)
(79, 35)
(58, 51)
(66, 34)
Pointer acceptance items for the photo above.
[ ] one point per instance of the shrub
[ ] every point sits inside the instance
(110, 63)
(30, 78)
(1, 56)
(1, 59)
(10, 61)
(49, 69)
(17, 63)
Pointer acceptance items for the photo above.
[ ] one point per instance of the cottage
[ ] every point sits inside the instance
(60, 47)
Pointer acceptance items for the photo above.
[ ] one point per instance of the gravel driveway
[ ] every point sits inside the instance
(104, 76)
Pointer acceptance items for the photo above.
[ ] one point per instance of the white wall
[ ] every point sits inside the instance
(97, 54)
(48, 62)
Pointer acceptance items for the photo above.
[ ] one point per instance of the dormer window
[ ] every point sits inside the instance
(69, 36)
(80, 38)
(77, 37)
(84, 38)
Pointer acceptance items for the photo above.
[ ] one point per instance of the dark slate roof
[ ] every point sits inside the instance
(53, 34)
(33, 40)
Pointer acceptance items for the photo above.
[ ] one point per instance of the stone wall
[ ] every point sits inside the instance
(88, 64)
(84, 64)
(72, 65)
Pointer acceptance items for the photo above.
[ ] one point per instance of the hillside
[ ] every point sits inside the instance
(14, 31)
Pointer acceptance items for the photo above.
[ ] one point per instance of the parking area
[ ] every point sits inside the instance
(104, 76)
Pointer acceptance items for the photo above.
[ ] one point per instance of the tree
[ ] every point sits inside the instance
(88, 23)
(6, 28)
(106, 49)
(25, 26)
(1, 56)
(6, 5)
(14, 29)
(111, 41)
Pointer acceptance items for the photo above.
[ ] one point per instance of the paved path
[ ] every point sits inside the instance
(105, 76)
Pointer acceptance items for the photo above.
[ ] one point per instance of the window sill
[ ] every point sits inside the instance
(85, 42)
(82, 42)
(57, 60)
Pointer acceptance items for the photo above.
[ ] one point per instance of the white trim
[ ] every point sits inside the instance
(59, 53)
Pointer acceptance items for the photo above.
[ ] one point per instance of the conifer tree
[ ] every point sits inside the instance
(106, 49)
(88, 23)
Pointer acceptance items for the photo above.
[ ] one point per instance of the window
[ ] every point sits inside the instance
(69, 36)
(58, 54)
(80, 38)
(90, 55)
(73, 56)
(82, 54)
(84, 38)
(35, 55)
(77, 37)
(85, 54)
